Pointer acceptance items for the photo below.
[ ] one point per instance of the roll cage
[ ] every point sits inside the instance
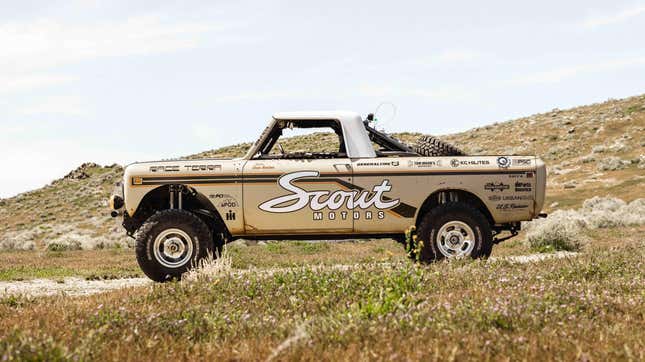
(387, 145)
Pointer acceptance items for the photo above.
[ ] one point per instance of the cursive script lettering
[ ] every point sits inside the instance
(318, 200)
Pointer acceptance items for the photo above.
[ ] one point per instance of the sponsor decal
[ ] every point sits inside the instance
(230, 215)
(229, 203)
(517, 197)
(510, 197)
(261, 166)
(491, 186)
(164, 168)
(421, 164)
(522, 161)
(456, 163)
(212, 168)
(503, 162)
(523, 186)
(511, 207)
(225, 200)
(383, 163)
(318, 200)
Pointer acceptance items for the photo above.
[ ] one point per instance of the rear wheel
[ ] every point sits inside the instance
(454, 230)
(170, 242)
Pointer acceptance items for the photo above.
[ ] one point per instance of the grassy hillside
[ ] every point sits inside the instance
(597, 149)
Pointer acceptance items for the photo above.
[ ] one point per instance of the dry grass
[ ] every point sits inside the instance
(588, 307)
(209, 269)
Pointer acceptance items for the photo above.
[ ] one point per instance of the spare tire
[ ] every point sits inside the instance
(430, 146)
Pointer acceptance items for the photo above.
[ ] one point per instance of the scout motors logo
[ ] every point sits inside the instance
(298, 198)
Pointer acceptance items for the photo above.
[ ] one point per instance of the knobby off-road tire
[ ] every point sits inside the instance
(430, 146)
(170, 242)
(454, 230)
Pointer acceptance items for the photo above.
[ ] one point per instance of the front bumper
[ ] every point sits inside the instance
(116, 201)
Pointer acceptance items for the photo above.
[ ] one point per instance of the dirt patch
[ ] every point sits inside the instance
(74, 286)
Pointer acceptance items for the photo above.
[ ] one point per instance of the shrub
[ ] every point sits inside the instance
(23, 240)
(63, 244)
(610, 164)
(562, 230)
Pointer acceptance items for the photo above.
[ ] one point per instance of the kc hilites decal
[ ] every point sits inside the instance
(456, 163)
(326, 204)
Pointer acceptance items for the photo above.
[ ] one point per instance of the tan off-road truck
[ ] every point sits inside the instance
(359, 183)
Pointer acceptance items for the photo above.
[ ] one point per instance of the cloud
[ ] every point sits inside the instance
(448, 57)
(559, 74)
(60, 105)
(615, 18)
(11, 83)
(444, 94)
(32, 51)
(51, 43)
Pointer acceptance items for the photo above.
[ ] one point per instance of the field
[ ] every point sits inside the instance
(341, 301)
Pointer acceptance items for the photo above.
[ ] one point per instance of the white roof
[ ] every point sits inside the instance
(317, 115)
(357, 140)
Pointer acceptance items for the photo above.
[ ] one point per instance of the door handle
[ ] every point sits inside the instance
(342, 167)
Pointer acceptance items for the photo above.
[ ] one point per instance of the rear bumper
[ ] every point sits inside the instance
(540, 186)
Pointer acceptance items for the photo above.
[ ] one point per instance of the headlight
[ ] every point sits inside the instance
(115, 202)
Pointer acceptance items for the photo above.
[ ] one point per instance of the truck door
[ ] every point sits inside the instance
(297, 196)
(297, 190)
(392, 192)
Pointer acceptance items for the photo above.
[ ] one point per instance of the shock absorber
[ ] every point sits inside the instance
(176, 192)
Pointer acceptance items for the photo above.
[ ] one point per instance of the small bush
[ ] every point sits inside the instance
(610, 164)
(61, 244)
(562, 230)
(23, 240)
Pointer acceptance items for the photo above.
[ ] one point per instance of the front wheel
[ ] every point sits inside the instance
(454, 230)
(170, 242)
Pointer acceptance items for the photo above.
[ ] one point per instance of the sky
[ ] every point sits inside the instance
(124, 81)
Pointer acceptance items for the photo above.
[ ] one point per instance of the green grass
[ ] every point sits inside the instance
(88, 264)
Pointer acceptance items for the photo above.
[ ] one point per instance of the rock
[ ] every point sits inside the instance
(598, 149)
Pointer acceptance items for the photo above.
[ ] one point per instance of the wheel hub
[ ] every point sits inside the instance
(455, 239)
(173, 248)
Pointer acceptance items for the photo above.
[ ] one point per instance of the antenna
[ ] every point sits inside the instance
(384, 118)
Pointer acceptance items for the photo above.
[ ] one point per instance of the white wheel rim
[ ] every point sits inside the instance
(173, 248)
(455, 239)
